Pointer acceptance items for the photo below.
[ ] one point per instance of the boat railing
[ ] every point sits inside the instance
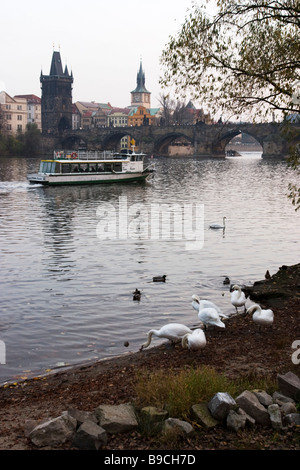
(83, 155)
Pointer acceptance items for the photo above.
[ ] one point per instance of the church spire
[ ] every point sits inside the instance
(140, 81)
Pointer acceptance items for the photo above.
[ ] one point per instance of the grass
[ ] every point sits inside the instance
(176, 391)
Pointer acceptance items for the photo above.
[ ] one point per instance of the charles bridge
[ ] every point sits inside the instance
(206, 140)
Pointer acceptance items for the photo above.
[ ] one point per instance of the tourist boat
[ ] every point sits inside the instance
(91, 167)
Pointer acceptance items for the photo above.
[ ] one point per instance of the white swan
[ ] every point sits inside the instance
(210, 316)
(195, 340)
(260, 316)
(218, 225)
(208, 313)
(200, 304)
(238, 298)
(172, 331)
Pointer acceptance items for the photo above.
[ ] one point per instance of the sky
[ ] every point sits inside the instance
(101, 41)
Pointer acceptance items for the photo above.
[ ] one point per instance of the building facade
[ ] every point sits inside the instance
(13, 114)
(56, 97)
(34, 112)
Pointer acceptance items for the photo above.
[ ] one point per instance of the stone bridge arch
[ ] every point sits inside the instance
(162, 143)
(221, 141)
(73, 142)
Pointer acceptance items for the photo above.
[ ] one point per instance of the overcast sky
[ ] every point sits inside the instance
(102, 42)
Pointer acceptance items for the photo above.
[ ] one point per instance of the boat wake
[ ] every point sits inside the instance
(16, 186)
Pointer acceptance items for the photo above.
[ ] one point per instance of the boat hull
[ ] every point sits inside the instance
(71, 179)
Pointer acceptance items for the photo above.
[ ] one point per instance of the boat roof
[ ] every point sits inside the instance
(69, 160)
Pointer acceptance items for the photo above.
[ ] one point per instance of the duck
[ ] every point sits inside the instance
(261, 316)
(195, 340)
(160, 278)
(200, 304)
(171, 331)
(217, 226)
(226, 280)
(137, 294)
(238, 298)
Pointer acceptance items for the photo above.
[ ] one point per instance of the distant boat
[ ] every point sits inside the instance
(92, 167)
(232, 153)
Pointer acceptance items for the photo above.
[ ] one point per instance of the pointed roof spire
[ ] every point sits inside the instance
(140, 81)
(56, 65)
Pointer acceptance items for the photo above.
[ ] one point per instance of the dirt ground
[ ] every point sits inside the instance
(239, 349)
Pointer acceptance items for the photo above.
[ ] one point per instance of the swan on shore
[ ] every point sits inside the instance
(200, 304)
(261, 316)
(195, 340)
(208, 312)
(217, 226)
(238, 298)
(172, 331)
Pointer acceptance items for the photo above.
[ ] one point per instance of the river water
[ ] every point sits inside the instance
(68, 270)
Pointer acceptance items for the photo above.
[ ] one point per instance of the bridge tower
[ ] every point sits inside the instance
(56, 97)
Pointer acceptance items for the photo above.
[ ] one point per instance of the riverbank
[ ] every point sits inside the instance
(240, 349)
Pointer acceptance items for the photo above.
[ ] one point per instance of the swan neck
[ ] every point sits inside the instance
(145, 345)
(184, 341)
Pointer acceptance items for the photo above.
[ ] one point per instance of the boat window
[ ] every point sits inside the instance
(66, 168)
(100, 167)
(107, 167)
(47, 167)
(118, 167)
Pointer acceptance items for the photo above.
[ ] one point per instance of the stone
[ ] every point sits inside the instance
(54, 431)
(90, 436)
(82, 416)
(275, 416)
(263, 397)
(280, 399)
(251, 405)
(292, 418)
(289, 385)
(177, 426)
(249, 421)
(116, 418)
(235, 421)
(153, 414)
(287, 408)
(220, 405)
(203, 416)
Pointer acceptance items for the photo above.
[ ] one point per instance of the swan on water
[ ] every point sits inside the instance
(200, 304)
(238, 298)
(261, 316)
(218, 225)
(195, 340)
(172, 331)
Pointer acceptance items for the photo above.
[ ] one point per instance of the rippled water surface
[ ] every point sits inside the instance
(66, 289)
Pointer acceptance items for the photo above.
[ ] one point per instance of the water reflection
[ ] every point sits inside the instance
(65, 289)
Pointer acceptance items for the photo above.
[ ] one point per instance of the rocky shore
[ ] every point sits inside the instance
(240, 349)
